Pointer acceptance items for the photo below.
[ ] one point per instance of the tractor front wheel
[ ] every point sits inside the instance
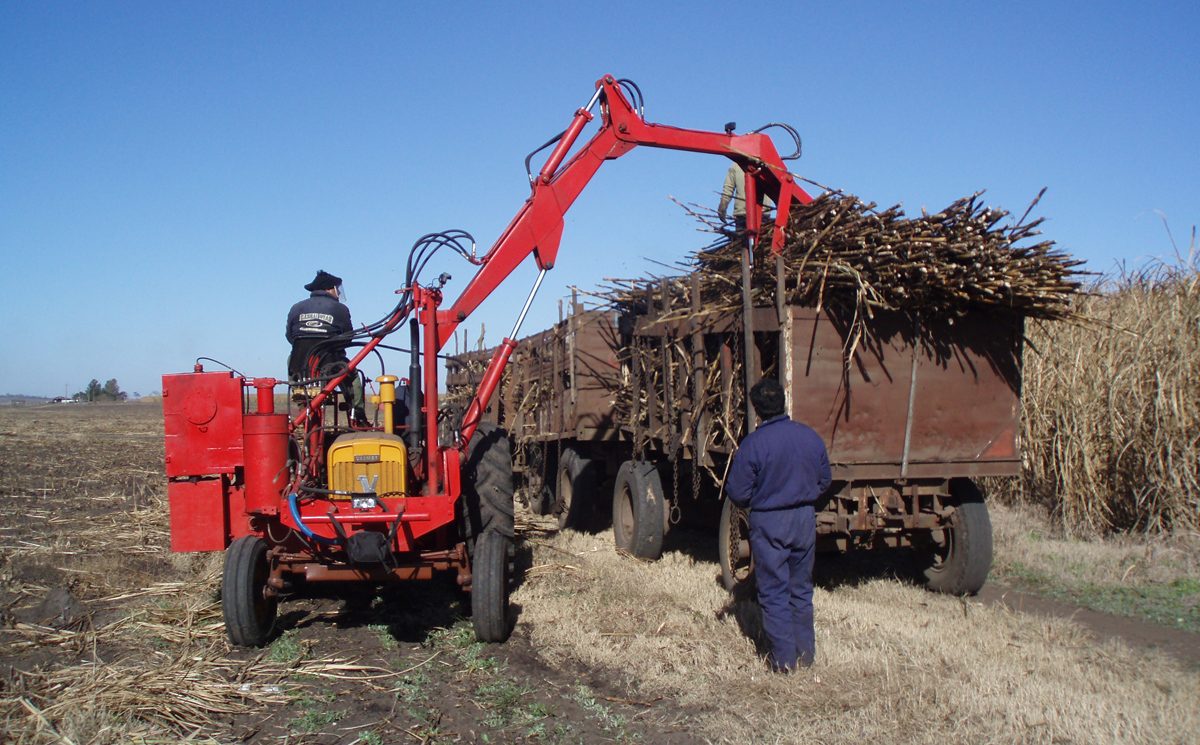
(249, 613)
(489, 587)
(487, 527)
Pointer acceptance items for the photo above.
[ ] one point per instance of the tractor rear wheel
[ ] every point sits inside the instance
(733, 546)
(487, 485)
(639, 510)
(959, 563)
(575, 497)
(249, 613)
(489, 587)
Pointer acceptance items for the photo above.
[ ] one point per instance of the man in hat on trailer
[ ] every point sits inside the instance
(313, 326)
(778, 472)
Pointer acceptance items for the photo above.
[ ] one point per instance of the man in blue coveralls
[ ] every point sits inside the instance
(779, 470)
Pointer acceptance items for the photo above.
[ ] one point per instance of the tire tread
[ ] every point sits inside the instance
(649, 517)
(239, 592)
(966, 570)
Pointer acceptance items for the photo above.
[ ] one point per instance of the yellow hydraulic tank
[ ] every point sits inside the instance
(368, 462)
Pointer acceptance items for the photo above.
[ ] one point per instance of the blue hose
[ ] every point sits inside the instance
(304, 528)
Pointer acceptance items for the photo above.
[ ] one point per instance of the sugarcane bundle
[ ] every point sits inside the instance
(943, 264)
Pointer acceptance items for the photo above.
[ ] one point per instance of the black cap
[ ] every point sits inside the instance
(323, 281)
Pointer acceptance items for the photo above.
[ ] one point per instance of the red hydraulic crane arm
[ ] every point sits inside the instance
(537, 227)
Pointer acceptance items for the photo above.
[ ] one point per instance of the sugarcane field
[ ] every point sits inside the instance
(565, 374)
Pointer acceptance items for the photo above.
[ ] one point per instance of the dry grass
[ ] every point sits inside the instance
(1158, 579)
(1028, 538)
(1112, 408)
(173, 673)
(894, 663)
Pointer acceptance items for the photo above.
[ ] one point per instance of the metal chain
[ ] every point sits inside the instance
(733, 539)
(697, 414)
(557, 467)
(676, 513)
(736, 411)
(639, 436)
(543, 451)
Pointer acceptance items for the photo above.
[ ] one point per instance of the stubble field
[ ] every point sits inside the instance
(107, 637)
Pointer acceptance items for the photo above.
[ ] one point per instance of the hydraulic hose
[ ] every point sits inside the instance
(322, 540)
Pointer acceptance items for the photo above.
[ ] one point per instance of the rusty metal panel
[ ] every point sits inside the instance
(964, 398)
(597, 377)
(965, 402)
(558, 386)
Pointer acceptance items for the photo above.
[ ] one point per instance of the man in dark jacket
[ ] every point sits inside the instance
(778, 472)
(311, 326)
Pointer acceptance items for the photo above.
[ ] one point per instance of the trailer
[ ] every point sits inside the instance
(650, 403)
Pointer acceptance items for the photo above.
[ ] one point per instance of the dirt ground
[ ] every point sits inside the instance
(1182, 645)
(107, 637)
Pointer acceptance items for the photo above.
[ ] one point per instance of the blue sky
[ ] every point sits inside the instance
(171, 174)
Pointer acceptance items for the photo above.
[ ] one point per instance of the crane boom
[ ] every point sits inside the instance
(537, 228)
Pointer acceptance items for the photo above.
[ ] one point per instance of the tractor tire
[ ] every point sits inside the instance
(487, 486)
(639, 510)
(959, 564)
(249, 613)
(489, 587)
(575, 495)
(733, 547)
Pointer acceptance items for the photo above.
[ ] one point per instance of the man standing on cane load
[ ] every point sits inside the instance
(778, 472)
(734, 190)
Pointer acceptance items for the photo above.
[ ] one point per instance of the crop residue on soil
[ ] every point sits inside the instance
(107, 637)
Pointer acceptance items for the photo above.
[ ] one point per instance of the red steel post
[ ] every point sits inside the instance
(427, 301)
(487, 387)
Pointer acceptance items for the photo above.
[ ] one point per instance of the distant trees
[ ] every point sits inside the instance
(94, 392)
(113, 391)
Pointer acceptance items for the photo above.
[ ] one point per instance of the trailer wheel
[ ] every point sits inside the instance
(960, 562)
(487, 486)
(489, 587)
(639, 514)
(733, 546)
(576, 494)
(249, 613)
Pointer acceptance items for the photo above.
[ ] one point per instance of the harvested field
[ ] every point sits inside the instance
(607, 649)
(894, 663)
